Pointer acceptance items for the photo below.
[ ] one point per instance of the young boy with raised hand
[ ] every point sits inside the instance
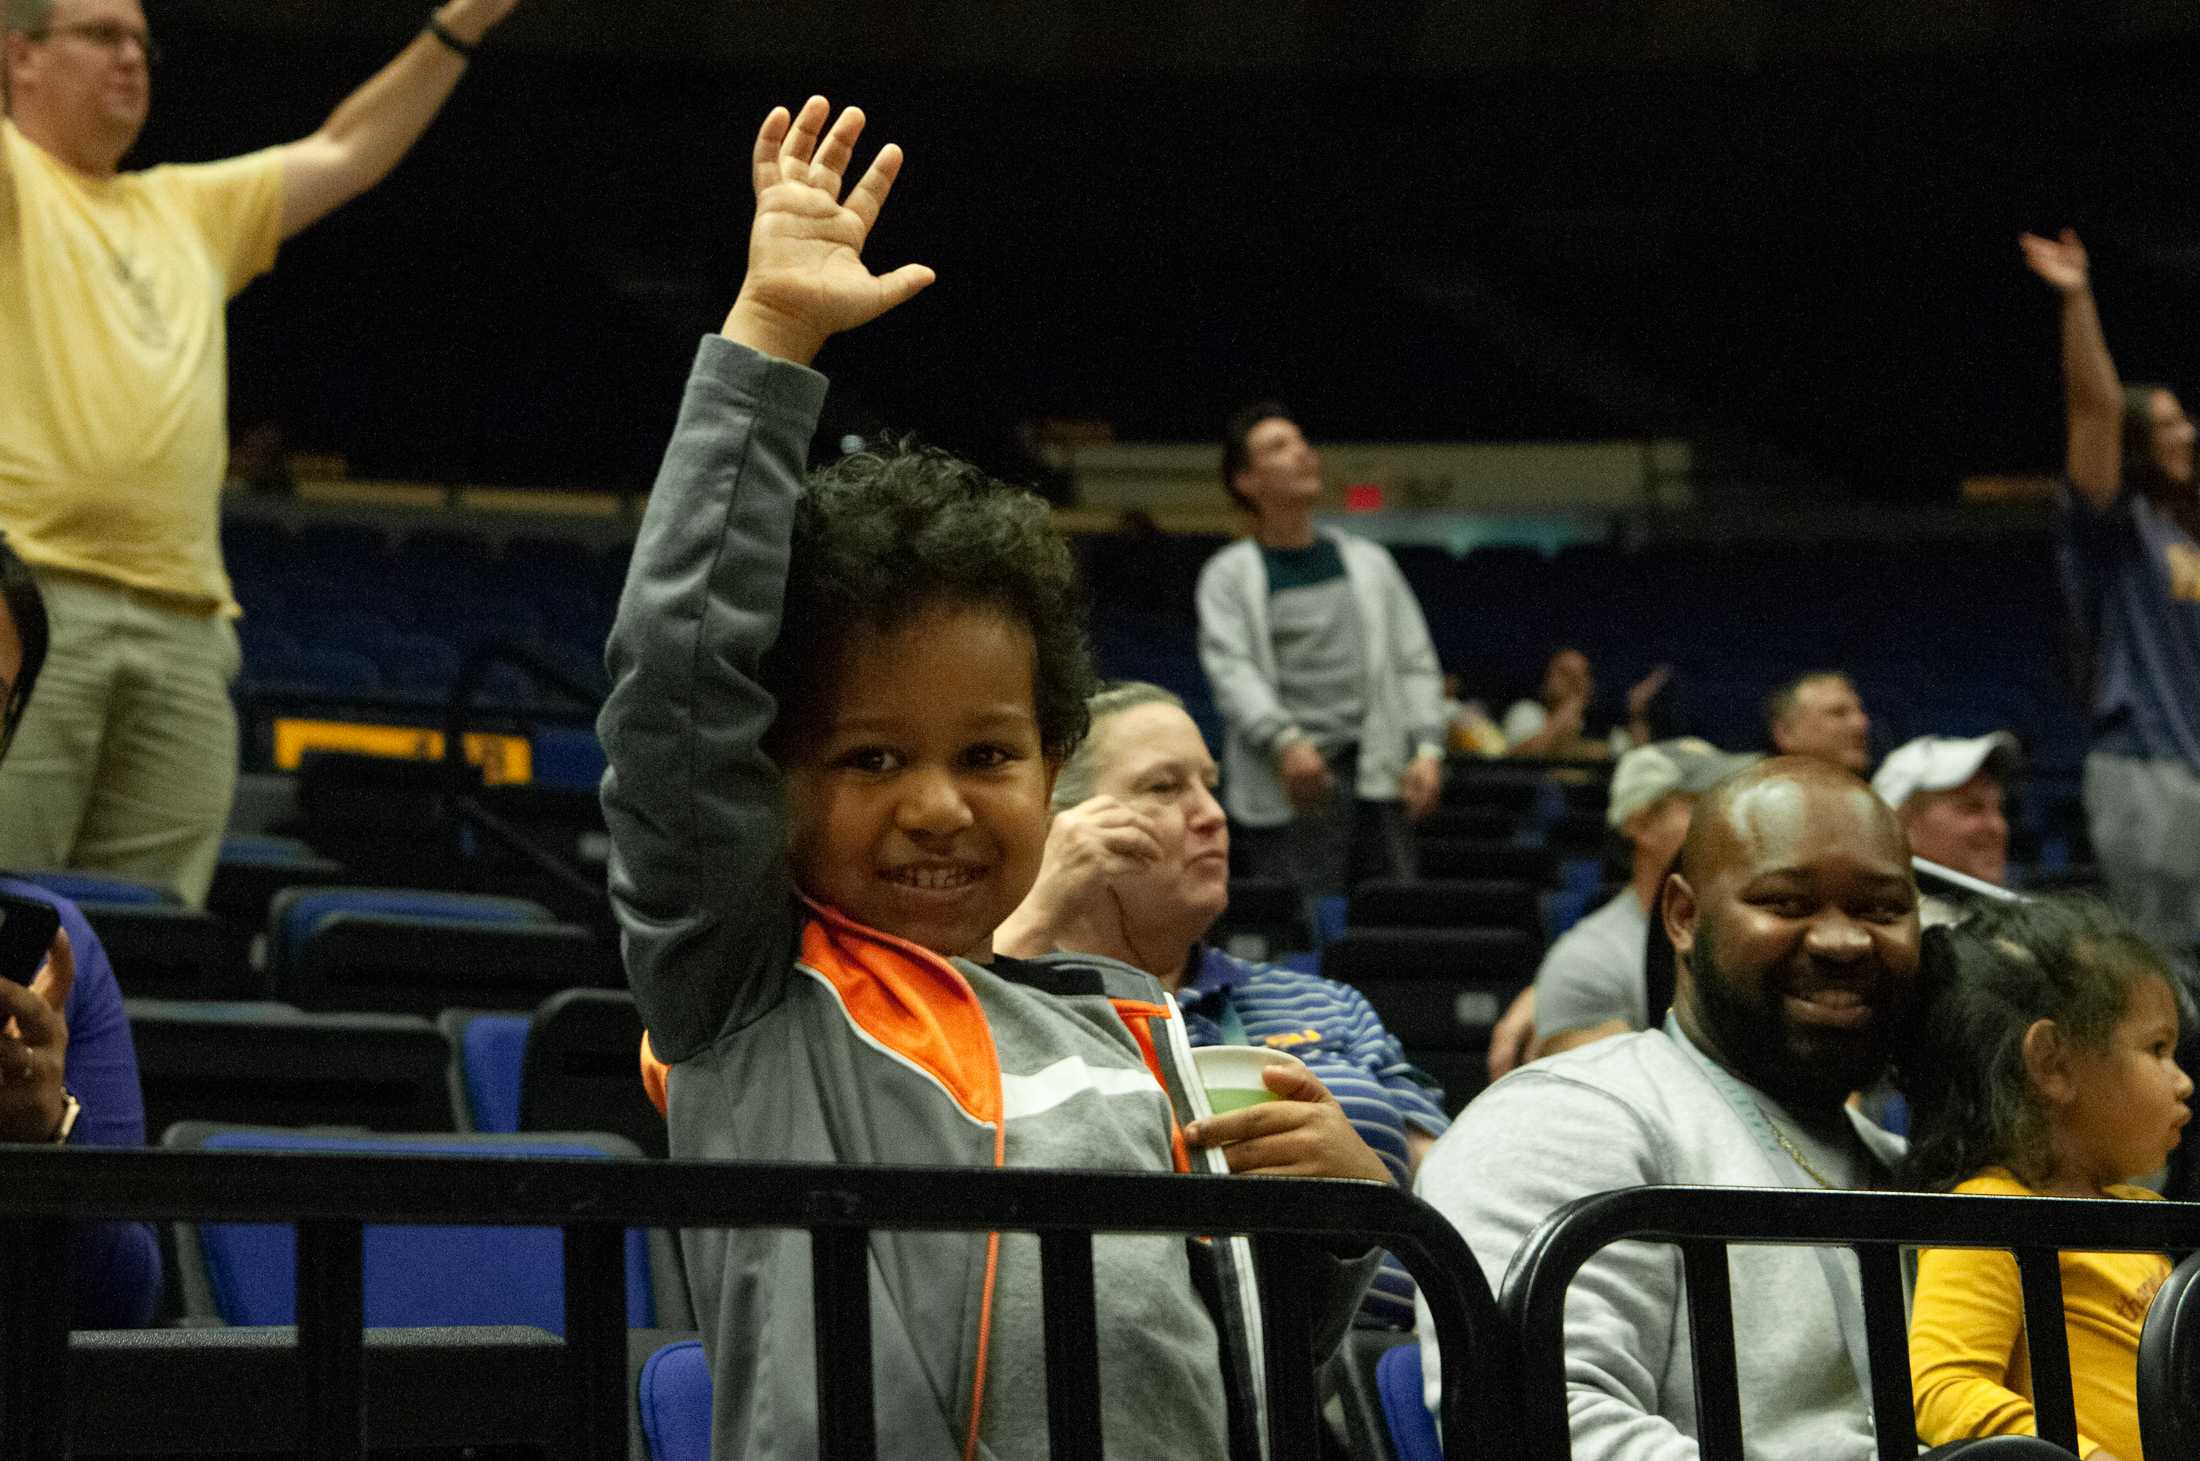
(837, 711)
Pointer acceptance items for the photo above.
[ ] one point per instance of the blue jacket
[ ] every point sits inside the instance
(114, 1268)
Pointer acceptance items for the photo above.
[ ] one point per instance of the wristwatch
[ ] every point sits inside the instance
(71, 1108)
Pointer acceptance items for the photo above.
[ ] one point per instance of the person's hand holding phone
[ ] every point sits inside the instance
(34, 1042)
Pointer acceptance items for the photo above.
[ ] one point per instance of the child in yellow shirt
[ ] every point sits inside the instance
(2051, 1030)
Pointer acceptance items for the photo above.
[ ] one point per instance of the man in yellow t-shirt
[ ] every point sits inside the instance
(113, 444)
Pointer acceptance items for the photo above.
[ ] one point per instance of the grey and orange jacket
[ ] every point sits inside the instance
(790, 1033)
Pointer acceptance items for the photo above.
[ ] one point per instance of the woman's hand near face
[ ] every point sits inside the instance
(1088, 847)
(1305, 1133)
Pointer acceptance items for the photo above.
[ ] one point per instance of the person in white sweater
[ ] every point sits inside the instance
(1794, 920)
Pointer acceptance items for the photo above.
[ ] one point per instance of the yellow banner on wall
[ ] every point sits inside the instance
(504, 760)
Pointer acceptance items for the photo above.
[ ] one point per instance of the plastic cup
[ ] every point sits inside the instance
(1232, 1074)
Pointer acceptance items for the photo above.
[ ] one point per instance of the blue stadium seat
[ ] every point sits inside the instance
(568, 758)
(294, 914)
(342, 672)
(419, 663)
(674, 1397)
(1412, 1428)
(415, 1276)
(88, 887)
(417, 952)
(488, 1053)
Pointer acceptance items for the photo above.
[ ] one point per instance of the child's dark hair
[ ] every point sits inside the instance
(27, 607)
(1235, 456)
(883, 537)
(1982, 985)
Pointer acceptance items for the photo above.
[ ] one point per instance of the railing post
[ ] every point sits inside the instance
(331, 1341)
(2048, 1344)
(1887, 1342)
(1287, 1331)
(595, 1339)
(840, 1281)
(1711, 1347)
(34, 1340)
(1073, 1347)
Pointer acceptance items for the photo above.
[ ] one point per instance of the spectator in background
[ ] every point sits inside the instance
(1552, 725)
(1591, 984)
(68, 1071)
(1137, 866)
(1820, 714)
(2130, 548)
(1950, 795)
(1322, 667)
(1468, 729)
(112, 287)
(1794, 918)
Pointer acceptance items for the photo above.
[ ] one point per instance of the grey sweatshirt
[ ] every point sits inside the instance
(1641, 1109)
(784, 1030)
(1405, 685)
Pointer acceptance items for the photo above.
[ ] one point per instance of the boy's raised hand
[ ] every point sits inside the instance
(806, 277)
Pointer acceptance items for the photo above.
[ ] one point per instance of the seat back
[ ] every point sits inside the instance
(415, 1277)
(1439, 991)
(294, 913)
(1446, 903)
(160, 951)
(200, 1393)
(1478, 859)
(88, 887)
(419, 953)
(271, 1064)
(581, 1069)
(674, 1398)
(488, 1049)
(1412, 1429)
(2169, 1366)
(1266, 918)
(255, 868)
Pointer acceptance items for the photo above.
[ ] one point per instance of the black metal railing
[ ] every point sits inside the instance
(330, 1198)
(1703, 1222)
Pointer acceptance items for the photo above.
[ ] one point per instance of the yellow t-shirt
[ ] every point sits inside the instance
(115, 368)
(1969, 1369)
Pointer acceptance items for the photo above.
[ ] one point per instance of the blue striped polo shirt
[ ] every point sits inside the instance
(1334, 1029)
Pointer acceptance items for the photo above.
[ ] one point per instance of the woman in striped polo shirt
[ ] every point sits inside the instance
(1137, 867)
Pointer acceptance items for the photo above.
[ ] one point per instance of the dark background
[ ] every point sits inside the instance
(1786, 231)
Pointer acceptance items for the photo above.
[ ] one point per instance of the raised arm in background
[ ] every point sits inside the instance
(378, 124)
(2093, 398)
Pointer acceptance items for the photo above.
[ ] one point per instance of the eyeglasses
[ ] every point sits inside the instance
(107, 35)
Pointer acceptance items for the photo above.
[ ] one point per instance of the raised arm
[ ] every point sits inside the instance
(695, 806)
(378, 124)
(2093, 398)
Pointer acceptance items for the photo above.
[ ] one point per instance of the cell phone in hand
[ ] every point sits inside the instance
(27, 927)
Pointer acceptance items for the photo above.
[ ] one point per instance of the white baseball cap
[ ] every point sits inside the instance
(1647, 773)
(1942, 763)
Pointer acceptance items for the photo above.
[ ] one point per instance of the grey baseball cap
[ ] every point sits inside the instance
(1661, 768)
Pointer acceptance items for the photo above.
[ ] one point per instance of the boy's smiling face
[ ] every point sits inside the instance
(917, 791)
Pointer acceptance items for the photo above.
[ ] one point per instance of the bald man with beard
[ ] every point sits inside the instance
(1794, 920)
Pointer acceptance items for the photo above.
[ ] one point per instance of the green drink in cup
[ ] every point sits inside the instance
(1232, 1074)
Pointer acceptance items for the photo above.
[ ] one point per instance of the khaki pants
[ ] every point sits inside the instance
(127, 758)
(2144, 817)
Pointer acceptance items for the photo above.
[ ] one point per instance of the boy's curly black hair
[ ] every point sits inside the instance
(885, 536)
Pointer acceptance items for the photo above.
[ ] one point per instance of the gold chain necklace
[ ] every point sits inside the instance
(1795, 1153)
